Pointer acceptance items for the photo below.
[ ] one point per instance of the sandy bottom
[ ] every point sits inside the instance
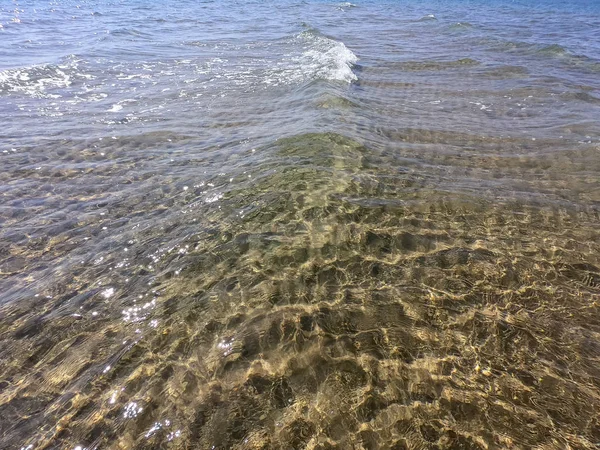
(334, 302)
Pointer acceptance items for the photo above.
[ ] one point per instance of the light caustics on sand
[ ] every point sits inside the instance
(221, 229)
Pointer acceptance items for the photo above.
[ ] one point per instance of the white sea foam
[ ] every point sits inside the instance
(310, 56)
(33, 81)
(427, 18)
(38, 80)
(327, 58)
(315, 57)
(346, 5)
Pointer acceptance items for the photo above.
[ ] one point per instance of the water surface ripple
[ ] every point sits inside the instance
(299, 224)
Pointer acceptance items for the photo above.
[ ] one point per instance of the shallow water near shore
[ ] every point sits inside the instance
(288, 225)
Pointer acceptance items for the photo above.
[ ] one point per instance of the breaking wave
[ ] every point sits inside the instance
(319, 57)
(39, 81)
(327, 58)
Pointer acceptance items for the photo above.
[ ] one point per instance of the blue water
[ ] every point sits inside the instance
(79, 60)
(299, 224)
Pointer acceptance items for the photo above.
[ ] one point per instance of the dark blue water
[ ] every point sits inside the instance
(299, 224)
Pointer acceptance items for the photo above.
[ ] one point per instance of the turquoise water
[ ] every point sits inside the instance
(299, 224)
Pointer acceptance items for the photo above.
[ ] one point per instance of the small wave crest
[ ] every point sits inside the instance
(415, 66)
(549, 50)
(308, 55)
(326, 58)
(36, 81)
(427, 18)
(460, 26)
(552, 50)
(345, 6)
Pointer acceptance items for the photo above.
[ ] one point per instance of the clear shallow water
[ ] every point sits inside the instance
(299, 225)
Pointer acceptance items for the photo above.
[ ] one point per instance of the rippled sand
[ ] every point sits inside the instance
(340, 226)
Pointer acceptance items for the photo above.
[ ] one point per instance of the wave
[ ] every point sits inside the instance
(552, 50)
(345, 5)
(540, 49)
(39, 81)
(33, 81)
(326, 58)
(305, 56)
(337, 102)
(460, 26)
(581, 96)
(131, 33)
(555, 52)
(427, 18)
(505, 72)
(415, 66)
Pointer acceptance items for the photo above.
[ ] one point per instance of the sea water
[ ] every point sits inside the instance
(299, 224)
